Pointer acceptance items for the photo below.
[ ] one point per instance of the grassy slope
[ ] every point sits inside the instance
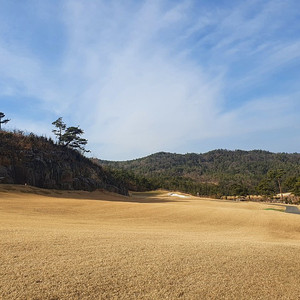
(67, 245)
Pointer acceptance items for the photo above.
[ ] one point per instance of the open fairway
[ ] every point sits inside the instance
(81, 245)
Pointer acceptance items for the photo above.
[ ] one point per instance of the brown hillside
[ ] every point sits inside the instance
(37, 161)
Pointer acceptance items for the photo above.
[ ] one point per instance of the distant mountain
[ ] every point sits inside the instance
(218, 171)
(38, 161)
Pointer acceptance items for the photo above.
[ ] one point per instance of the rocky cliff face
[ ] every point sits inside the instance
(39, 162)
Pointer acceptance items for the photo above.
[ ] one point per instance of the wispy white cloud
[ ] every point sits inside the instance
(23, 75)
(147, 76)
(143, 98)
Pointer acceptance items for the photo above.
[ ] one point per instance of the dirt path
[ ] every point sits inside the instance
(292, 209)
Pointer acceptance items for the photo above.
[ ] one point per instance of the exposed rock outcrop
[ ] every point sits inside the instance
(39, 162)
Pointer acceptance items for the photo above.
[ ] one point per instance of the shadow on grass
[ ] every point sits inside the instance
(98, 195)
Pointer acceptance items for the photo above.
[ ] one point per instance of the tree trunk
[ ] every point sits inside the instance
(280, 190)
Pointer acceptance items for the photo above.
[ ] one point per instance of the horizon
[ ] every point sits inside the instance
(197, 153)
(143, 77)
(26, 133)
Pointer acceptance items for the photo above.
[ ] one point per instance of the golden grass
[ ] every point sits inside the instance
(81, 245)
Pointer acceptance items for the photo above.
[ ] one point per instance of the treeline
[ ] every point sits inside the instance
(69, 137)
(216, 173)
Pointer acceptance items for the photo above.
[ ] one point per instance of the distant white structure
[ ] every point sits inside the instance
(178, 195)
(284, 195)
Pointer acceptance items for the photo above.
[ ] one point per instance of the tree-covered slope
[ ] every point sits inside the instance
(38, 161)
(218, 171)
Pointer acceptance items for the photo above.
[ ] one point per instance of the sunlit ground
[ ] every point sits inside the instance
(81, 245)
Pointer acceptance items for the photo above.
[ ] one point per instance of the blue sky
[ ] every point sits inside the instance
(146, 76)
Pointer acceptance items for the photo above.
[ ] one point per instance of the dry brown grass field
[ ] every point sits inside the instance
(81, 245)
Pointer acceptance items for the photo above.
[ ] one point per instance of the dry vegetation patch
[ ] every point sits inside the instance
(80, 245)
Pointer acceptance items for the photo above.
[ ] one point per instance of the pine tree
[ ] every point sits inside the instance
(277, 176)
(61, 127)
(69, 136)
(2, 115)
(72, 138)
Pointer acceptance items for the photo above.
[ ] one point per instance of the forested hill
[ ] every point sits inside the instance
(218, 171)
(38, 161)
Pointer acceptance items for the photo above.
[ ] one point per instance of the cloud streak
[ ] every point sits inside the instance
(149, 76)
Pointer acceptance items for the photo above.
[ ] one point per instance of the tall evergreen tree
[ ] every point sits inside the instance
(277, 176)
(69, 136)
(60, 129)
(72, 138)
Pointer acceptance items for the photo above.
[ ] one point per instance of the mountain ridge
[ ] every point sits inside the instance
(220, 167)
